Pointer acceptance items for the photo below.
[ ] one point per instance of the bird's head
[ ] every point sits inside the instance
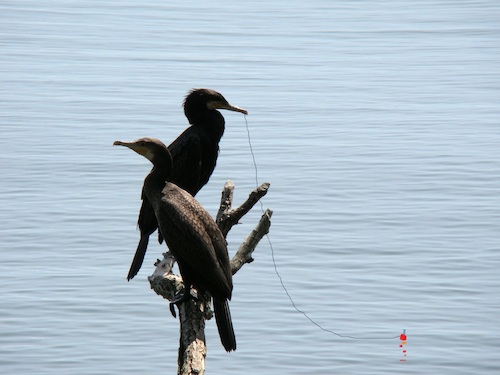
(200, 101)
(151, 148)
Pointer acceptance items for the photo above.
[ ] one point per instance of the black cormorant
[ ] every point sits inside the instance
(194, 155)
(191, 234)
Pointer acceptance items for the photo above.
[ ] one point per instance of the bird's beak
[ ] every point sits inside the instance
(236, 109)
(126, 144)
(120, 143)
(225, 105)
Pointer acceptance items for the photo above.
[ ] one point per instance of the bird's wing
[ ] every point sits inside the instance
(187, 153)
(147, 225)
(193, 239)
(147, 218)
(220, 246)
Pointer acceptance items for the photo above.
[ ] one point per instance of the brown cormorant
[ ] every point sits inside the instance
(191, 234)
(194, 155)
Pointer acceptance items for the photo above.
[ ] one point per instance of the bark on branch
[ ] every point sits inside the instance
(226, 217)
(194, 312)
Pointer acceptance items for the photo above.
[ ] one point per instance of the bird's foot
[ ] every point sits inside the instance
(178, 299)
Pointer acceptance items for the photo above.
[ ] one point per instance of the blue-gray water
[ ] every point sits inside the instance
(376, 123)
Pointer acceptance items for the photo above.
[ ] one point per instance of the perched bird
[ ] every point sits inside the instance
(191, 234)
(194, 155)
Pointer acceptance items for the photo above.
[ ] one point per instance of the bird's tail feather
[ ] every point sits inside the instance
(224, 324)
(139, 256)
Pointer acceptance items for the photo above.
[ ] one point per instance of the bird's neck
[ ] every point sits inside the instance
(213, 122)
(162, 168)
(155, 181)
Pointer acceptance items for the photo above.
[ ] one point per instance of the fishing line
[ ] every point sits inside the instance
(276, 268)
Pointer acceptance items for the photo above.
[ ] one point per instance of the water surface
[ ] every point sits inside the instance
(376, 124)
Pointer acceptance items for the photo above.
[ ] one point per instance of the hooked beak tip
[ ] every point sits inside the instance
(238, 109)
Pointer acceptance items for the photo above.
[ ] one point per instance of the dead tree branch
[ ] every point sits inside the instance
(226, 217)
